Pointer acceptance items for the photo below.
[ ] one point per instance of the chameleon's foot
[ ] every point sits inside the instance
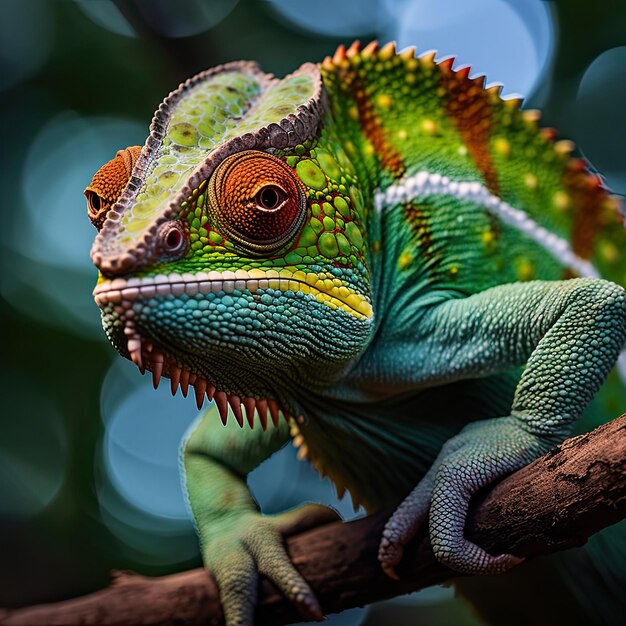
(246, 545)
(481, 453)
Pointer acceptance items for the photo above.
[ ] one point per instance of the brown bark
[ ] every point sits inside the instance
(555, 503)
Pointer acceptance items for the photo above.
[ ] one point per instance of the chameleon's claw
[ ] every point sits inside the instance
(253, 544)
(405, 522)
(469, 558)
(389, 560)
(465, 464)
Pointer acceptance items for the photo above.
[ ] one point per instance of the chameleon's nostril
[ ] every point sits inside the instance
(115, 265)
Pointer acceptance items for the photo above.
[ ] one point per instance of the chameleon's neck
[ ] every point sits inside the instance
(356, 126)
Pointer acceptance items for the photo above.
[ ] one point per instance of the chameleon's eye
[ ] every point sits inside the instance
(172, 239)
(256, 201)
(108, 183)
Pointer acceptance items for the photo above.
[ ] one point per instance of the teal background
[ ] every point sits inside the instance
(88, 451)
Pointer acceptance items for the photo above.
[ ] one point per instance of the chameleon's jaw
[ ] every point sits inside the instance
(146, 354)
(151, 321)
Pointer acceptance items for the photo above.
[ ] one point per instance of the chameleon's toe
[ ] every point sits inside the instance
(285, 576)
(273, 562)
(244, 546)
(304, 517)
(483, 452)
(403, 524)
(237, 579)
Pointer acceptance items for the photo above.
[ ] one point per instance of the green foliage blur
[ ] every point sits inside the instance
(62, 63)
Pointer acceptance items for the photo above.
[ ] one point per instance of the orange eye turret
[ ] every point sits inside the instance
(256, 201)
(108, 183)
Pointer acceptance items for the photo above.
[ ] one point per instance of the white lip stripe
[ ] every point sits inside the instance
(424, 184)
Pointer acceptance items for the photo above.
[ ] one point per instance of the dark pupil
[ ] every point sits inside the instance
(268, 198)
(173, 239)
(95, 201)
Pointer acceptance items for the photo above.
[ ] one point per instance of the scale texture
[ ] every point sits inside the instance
(382, 261)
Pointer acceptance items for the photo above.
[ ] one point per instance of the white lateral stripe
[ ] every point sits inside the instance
(424, 184)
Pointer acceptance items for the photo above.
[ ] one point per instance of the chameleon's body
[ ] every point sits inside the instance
(379, 279)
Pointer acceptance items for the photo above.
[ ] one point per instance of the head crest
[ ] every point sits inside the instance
(216, 113)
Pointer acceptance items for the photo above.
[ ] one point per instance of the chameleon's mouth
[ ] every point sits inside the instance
(121, 294)
(330, 291)
(146, 355)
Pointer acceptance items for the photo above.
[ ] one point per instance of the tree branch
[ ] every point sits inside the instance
(555, 503)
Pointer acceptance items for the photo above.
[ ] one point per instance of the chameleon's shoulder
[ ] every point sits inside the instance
(422, 115)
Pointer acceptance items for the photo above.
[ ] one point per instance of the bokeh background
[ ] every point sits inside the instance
(88, 450)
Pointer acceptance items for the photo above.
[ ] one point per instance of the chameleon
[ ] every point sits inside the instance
(378, 258)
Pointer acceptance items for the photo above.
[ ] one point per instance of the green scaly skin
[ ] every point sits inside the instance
(441, 238)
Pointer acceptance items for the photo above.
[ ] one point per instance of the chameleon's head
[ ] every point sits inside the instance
(231, 248)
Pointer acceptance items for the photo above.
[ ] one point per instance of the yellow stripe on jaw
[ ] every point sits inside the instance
(329, 291)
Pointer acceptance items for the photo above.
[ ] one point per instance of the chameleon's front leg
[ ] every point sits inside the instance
(569, 334)
(237, 541)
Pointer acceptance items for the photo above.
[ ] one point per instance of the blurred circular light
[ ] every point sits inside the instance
(599, 110)
(142, 440)
(198, 16)
(141, 496)
(284, 481)
(148, 538)
(47, 241)
(139, 492)
(32, 448)
(334, 18)
(26, 36)
(106, 15)
(162, 16)
(509, 42)
(59, 165)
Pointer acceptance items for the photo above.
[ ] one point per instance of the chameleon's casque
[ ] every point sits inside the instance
(374, 247)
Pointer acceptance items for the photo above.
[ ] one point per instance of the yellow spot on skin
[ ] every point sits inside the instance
(502, 146)
(462, 150)
(353, 112)
(412, 64)
(561, 201)
(405, 260)
(385, 101)
(428, 126)
(376, 246)
(609, 252)
(525, 270)
(564, 147)
(488, 237)
(530, 180)
(454, 270)
(369, 149)
(531, 116)
(350, 149)
(410, 78)
(402, 134)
